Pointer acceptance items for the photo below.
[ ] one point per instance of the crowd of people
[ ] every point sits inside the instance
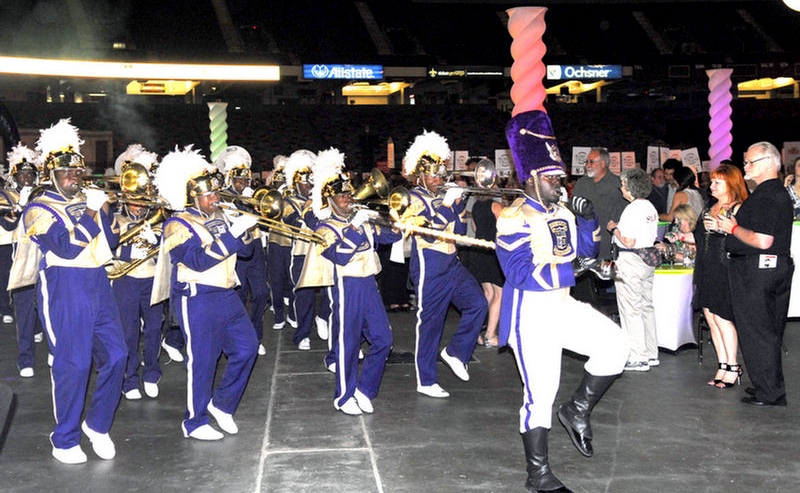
(193, 256)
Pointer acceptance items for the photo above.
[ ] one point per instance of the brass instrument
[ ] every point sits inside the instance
(117, 269)
(277, 225)
(266, 201)
(135, 187)
(159, 216)
(485, 175)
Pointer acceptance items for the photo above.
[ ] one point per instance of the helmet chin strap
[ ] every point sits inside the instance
(58, 186)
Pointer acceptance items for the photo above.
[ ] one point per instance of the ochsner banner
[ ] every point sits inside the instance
(558, 72)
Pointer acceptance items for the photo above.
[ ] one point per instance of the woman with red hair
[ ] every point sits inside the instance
(711, 272)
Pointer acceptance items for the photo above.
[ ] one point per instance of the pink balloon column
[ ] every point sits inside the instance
(526, 25)
(719, 97)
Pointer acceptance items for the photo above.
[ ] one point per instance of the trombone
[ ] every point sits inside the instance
(485, 176)
(118, 268)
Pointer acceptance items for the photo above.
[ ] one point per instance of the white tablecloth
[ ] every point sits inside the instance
(672, 301)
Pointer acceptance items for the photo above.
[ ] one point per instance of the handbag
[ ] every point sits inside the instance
(649, 255)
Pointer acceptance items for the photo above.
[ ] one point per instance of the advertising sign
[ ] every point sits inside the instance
(579, 160)
(579, 72)
(503, 162)
(451, 71)
(323, 71)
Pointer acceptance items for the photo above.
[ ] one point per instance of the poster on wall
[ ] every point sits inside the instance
(460, 159)
(615, 164)
(628, 160)
(675, 154)
(691, 157)
(579, 160)
(503, 162)
(790, 152)
(653, 158)
(664, 151)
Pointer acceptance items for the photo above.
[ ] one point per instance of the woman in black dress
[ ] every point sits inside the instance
(483, 263)
(711, 272)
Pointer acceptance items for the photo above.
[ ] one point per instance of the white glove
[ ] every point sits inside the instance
(95, 199)
(24, 195)
(138, 252)
(451, 195)
(361, 217)
(147, 234)
(248, 192)
(240, 224)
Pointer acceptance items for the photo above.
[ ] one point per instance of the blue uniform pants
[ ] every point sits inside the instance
(5, 268)
(279, 281)
(139, 317)
(27, 324)
(82, 325)
(252, 274)
(358, 314)
(439, 280)
(214, 323)
(303, 308)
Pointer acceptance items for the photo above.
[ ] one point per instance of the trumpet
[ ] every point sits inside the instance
(485, 176)
(117, 268)
(278, 226)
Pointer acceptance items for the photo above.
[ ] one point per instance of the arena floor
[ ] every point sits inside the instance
(660, 431)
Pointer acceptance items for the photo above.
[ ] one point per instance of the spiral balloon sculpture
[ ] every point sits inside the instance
(526, 26)
(218, 116)
(719, 97)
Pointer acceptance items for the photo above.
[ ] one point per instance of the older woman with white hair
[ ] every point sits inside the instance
(635, 232)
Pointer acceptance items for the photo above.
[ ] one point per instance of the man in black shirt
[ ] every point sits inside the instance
(760, 273)
(659, 193)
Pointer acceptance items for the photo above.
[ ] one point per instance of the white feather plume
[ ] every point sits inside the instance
(329, 164)
(147, 159)
(278, 162)
(233, 157)
(175, 170)
(428, 143)
(21, 152)
(130, 154)
(299, 160)
(59, 137)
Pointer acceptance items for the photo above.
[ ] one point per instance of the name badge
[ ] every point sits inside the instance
(767, 261)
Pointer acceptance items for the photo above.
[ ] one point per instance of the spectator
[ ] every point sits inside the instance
(681, 237)
(658, 196)
(711, 272)
(685, 194)
(634, 283)
(793, 187)
(670, 166)
(759, 237)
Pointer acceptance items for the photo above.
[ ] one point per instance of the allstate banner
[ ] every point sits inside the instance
(324, 71)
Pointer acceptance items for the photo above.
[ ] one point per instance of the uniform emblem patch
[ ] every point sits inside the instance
(559, 232)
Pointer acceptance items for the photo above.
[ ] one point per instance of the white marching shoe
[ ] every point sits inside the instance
(304, 345)
(224, 420)
(72, 455)
(50, 360)
(8, 319)
(205, 433)
(278, 325)
(433, 390)
(322, 328)
(262, 350)
(101, 442)
(364, 402)
(292, 323)
(172, 352)
(38, 337)
(133, 395)
(26, 372)
(151, 389)
(331, 367)
(455, 364)
(349, 407)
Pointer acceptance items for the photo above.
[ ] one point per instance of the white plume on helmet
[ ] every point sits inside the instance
(175, 170)
(299, 160)
(60, 137)
(278, 162)
(130, 155)
(427, 143)
(20, 153)
(233, 157)
(329, 164)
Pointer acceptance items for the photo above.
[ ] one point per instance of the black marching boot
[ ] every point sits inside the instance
(574, 414)
(540, 477)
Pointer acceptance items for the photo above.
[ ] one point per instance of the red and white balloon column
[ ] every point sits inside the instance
(720, 125)
(526, 26)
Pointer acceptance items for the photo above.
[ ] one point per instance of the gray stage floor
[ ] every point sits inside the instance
(659, 431)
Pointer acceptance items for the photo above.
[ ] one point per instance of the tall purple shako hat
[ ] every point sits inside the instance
(533, 145)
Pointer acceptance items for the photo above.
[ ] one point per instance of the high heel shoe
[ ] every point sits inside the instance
(731, 369)
(717, 381)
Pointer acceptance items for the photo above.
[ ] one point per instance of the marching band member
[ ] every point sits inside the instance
(200, 244)
(537, 238)
(351, 264)
(438, 276)
(235, 163)
(132, 291)
(71, 230)
(299, 179)
(280, 256)
(24, 166)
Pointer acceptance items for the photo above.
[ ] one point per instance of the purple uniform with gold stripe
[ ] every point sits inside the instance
(538, 317)
(82, 324)
(212, 317)
(440, 279)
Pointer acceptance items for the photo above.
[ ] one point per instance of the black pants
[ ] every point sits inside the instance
(760, 304)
